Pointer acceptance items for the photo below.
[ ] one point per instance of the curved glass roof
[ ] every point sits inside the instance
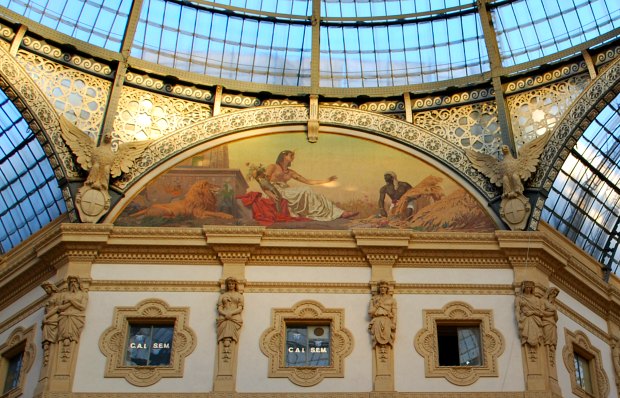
(336, 43)
(29, 193)
(584, 201)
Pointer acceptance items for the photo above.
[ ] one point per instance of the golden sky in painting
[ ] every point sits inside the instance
(359, 164)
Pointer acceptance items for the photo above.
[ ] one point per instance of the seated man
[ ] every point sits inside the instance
(395, 190)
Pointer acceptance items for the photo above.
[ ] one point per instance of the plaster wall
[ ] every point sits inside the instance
(582, 310)
(156, 272)
(19, 305)
(307, 274)
(453, 275)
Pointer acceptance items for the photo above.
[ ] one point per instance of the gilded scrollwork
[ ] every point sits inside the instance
(475, 95)
(165, 88)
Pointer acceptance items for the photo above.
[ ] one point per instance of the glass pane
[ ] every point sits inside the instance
(13, 372)
(307, 346)
(583, 202)
(469, 346)
(582, 373)
(149, 345)
(25, 177)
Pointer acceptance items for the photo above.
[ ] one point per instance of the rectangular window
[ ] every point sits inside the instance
(149, 345)
(459, 345)
(14, 368)
(307, 345)
(582, 373)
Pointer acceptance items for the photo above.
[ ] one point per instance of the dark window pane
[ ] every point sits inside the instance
(459, 345)
(149, 345)
(307, 345)
(13, 372)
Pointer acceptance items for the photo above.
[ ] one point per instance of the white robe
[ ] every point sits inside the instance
(304, 202)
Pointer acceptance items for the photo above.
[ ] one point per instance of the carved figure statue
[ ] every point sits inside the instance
(100, 161)
(229, 308)
(49, 325)
(383, 316)
(71, 309)
(510, 172)
(529, 315)
(549, 320)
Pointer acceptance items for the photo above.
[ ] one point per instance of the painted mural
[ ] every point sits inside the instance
(282, 181)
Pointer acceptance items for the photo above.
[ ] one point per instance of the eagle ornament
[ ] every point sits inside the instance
(101, 162)
(510, 173)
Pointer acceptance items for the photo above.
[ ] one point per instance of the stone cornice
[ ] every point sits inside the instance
(567, 267)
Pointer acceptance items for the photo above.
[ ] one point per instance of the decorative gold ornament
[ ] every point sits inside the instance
(101, 162)
(510, 173)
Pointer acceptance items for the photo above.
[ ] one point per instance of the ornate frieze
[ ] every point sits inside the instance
(50, 51)
(79, 96)
(163, 87)
(239, 101)
(462, 98)
(562, 73)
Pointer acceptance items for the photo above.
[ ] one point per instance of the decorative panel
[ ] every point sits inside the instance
(537, 111)
(145, 115)
(471, 126)
(77, 95)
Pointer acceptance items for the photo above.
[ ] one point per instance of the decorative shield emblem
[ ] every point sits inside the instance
(92, 203)
(515, 212)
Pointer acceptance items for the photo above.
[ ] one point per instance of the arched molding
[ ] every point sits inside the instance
(42, 119)
(294, 116)
(565, 135)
